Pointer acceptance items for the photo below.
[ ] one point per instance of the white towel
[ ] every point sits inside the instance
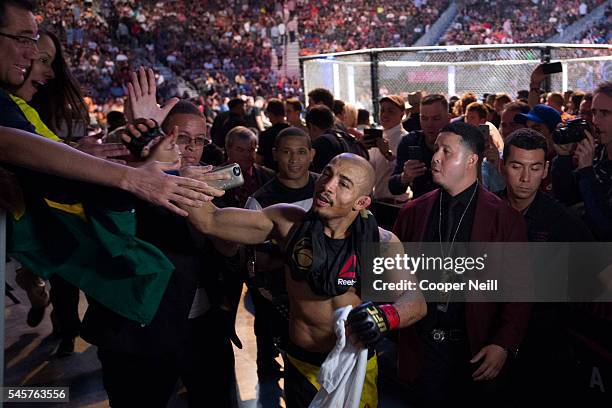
(343, 371)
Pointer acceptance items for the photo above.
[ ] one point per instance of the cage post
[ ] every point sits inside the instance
(303, 84)
(546, 59)
(374, 81)
(451, 81)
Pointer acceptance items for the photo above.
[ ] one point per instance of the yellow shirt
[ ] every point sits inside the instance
(42, 129)
(34, 118)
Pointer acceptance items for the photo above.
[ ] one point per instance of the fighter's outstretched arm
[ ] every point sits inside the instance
(245, 226)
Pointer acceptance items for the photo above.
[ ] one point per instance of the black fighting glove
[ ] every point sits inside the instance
(140, 145)
(369, 322)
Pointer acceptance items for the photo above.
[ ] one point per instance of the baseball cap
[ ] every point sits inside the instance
(397, 100)
(540, 114)
(414, 99)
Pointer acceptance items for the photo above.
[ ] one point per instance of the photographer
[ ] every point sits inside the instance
(415, 172)
(589, 177)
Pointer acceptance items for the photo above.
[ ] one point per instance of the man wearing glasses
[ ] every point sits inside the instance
(192, 137)
(190, 329)
(18, 37)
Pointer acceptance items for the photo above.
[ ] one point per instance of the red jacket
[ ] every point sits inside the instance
(503, 324)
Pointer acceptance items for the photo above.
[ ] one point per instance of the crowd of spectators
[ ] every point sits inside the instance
(599, 33)
(223, 49)
(217, 47)
(327, 26)
(520, 21)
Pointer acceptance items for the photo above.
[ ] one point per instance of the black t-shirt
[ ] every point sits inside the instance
(412, 123)
(549, 221)
(422, 184)
(327, 147)
(275, 192)
(266, 144)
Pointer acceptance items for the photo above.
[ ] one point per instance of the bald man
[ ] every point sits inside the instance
(322, 273)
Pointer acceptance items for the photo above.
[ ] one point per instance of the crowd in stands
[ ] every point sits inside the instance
(201, 42)
(327, 26)
(219, 50)
(521, 21)
(599, 33)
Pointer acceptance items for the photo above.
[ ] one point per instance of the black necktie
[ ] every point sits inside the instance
(450, 220)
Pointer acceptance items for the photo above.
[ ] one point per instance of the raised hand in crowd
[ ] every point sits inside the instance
(585, 151)
(164, 148)
(412, 170)
(140, 128)
(537, 77)
(383, 145)
(142, 101)
(492, 154)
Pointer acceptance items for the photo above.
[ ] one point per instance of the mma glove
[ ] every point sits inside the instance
(369, 322)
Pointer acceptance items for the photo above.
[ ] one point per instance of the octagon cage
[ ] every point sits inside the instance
(363, 77)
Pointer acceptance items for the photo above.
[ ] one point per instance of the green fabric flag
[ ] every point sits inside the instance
(99, 254)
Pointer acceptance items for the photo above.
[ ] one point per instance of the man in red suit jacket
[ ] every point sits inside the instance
(465, 364)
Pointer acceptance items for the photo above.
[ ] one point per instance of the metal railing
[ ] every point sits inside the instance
(363, 77)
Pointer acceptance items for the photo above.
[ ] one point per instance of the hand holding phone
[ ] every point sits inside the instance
(415, 153)
(232, 177)
(486, 133)
(370, 136)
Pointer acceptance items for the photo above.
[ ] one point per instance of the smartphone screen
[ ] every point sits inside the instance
(415, 153)
(372, 133)
(484, 129)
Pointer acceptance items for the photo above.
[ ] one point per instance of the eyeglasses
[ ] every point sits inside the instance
(22, 40)
(197, 141)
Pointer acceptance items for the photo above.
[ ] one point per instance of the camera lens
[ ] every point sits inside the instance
(236, 171)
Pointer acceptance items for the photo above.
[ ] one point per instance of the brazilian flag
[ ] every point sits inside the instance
(90, 245)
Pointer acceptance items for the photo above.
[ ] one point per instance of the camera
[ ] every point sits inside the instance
(573, 131)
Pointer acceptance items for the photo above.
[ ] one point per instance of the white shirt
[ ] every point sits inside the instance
(343, 372)
(384, 168)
